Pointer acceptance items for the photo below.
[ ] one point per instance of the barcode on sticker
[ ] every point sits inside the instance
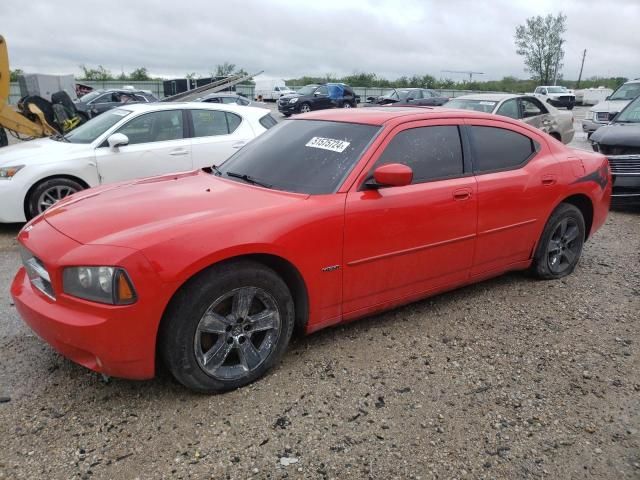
(328, 144)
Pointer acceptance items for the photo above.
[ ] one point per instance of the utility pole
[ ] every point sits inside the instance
(584, 54)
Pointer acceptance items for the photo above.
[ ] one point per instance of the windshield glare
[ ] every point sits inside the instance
(302, 156)
(88, 132)
(308, 90)
(485, 106)
(626, 92)
(631, 113)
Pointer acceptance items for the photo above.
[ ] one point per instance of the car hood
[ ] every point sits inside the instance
(618, 135)
(610, 106)
(291, 95)
(139, 213)
(42, 150)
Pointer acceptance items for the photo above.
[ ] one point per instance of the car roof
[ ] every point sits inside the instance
(494, 97)
(383, 115)
(229, 107)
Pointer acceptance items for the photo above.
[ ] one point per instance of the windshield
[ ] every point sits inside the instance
(628, 91)
(308, 90)
(631, 114)
(403, 94)
(303, 156)
(88, 132)
(91, 95)
(556, 89)
(485, 106)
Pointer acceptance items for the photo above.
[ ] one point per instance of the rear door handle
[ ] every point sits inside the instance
(548, 180)
(462, 195)
(179, 151)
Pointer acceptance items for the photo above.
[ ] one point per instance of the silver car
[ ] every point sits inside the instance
(521, 107)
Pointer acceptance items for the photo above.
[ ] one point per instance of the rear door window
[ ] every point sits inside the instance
(496, 149)
(154, 127)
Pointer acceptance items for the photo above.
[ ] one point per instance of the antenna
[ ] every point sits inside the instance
(466, 72)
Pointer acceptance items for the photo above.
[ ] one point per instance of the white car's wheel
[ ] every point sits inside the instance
(48, 193)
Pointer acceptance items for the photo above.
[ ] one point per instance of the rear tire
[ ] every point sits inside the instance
(48, 193)
(570, 107)
(210, 338)
(560, 245)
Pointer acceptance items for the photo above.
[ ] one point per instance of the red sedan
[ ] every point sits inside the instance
(328, 217)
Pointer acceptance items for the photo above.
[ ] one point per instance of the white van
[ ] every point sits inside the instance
(270, 89)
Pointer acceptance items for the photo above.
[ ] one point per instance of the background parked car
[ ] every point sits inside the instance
(620, 142)
(228, 98)
(99, 101)
(521, 107)
(604, 112)
(318, 97)
(411, 96)
(129, 142)
(556, 95)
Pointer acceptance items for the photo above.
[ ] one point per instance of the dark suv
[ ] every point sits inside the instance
(99, 101)
(318, 97)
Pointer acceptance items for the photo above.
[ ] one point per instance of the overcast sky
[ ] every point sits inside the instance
(291, 38)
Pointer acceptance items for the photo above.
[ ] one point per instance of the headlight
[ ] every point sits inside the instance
(589, 115)
(293, 100)
(7, 173)
(99, 284)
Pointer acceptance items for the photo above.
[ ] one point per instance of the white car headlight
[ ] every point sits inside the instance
(589, 115)
(293, 100)
(7, 173)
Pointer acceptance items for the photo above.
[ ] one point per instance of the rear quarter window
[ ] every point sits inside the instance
(268, 121)
(496, 149)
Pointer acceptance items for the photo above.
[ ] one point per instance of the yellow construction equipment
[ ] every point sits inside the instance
(28, 120)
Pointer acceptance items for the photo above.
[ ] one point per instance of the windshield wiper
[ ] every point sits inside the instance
(216, 170)
(58, 137)
(248, 179)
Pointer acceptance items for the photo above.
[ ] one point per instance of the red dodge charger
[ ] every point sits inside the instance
(325, 218)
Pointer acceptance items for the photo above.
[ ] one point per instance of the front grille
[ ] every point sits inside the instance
(619, 150)
(566, 99)
(37, 273)
(624, 164)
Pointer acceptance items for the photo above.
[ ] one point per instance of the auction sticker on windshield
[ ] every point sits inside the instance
(331, 144)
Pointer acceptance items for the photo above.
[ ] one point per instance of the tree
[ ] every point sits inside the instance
(99, 73)
(139, 75)
(540, 41)
(14, 74)
(225, 69)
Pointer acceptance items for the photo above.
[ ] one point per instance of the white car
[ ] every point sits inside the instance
(603, 112)
(556, 96)
(125, 143)
(527, 108)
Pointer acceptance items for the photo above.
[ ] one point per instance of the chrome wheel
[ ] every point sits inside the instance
(52, 195)
(346, 105)
(305, 108)
(564, 246)
(237, 333)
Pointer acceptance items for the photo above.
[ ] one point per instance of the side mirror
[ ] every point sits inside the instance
(391, 175)
(117, 140)
(608, 97)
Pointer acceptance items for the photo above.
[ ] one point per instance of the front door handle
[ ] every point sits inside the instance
(179, 151)
(463, 194)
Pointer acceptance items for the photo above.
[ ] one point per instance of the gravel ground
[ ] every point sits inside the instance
(509, 378)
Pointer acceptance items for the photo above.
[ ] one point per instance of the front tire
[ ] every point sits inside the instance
(227, 327)
(48, 193)
(305, 108)
(561, 243)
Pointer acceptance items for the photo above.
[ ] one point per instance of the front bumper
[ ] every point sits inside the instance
(289, 108)
(12, 194)
(562, 102)
(118, 341)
